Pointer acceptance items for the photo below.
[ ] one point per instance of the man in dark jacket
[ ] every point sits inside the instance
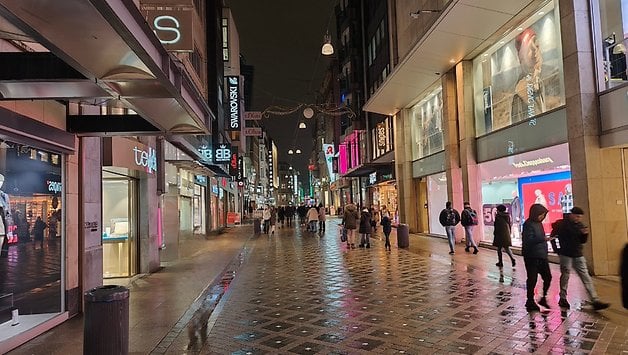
(534, 250)
(572, 234)
(449, 218)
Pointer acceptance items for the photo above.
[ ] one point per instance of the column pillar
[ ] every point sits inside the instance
(471, 180)
(406, 195)
(597, 181)
(451, 144)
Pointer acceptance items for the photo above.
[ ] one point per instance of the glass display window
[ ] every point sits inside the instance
(521, 76)
(31, 232)
(427, 124)
(612, 41)
(436, 199)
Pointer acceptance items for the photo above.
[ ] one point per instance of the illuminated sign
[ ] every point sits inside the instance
(222, 153)
(53, 186)
(535, 162)
(253, 131)
(373, 178)
(233, 101)
(146, 159)
(381, 135)
(253, 115)
(205, 152)
(172, 26)
(233, 162)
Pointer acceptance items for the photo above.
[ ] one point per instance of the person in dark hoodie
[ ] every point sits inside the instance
(534, 250)
(572, 234)
(365, 228)
(501, 235)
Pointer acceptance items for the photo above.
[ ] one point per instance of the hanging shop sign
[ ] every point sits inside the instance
(172, 26)
(382, 134)
(252, 115)
(240, 176)
(253, 131)
(233, 162)
(222, 153)
(205, 152)
(233, 102)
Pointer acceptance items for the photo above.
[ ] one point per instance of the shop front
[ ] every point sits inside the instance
(542, 176)
(32, 237)
(382, 190)
(127, 164)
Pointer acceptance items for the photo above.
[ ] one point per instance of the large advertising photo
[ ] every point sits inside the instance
(521, 76)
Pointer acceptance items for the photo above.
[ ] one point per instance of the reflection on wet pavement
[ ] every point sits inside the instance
(298, 292)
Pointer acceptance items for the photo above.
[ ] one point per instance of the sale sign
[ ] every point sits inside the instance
(489, 210)
(546, 193)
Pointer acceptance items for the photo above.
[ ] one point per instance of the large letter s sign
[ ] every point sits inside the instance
(174, 28)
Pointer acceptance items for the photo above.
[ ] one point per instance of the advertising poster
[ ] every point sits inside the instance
(546, 190)
(524, 75)
(429, 119)
(329, 151)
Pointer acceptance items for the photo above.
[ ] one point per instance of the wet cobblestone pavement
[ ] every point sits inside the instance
(299, 293)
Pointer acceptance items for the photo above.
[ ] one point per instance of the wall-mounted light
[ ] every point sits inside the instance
(302, 125)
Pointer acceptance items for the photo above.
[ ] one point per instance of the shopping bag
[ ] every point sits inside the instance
(343, 234)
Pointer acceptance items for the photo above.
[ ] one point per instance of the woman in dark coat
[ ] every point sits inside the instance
(365, 228)
(387, 227)
(501, 235)
(38, 232)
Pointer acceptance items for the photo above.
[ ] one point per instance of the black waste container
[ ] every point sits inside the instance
(257, 226)
(403, 238)
(106, 327)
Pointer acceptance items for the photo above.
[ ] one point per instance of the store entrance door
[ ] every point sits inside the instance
(424, 220)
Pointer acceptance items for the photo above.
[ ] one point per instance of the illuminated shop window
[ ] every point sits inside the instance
(520, 76)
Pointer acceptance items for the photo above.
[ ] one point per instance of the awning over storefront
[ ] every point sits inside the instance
(119, 59)
(457, 35)
(217, 170)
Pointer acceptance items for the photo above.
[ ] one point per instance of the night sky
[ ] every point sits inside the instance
(282, 39)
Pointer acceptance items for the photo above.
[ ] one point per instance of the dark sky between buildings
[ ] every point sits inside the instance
(282, 39)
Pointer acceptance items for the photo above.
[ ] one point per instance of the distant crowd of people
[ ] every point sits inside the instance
(312, 217)
(365, 221)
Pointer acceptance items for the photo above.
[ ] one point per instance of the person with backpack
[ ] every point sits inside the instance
(572, 234)
(469, 219)
(449, 218)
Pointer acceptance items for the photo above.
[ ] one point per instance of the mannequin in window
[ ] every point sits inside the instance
(516, 213)
(4, 198)
(566, 201)
(3, 235)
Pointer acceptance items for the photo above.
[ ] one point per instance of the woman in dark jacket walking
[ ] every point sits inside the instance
(534, 250)
(365, 228)
(501, 235)
(386, 226)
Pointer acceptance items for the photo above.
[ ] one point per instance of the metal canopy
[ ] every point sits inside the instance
(109, 43)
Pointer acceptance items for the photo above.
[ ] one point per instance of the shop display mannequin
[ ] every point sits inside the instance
(4, 198)
(516, 212)
(3, 235)
(566, 201)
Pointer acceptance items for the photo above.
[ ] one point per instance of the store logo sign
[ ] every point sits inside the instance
(535, 162)
(54, 186)
(205, 152)
(146, 159)
(233, 90)
(173, 27)
(381, 136)
(222, 153)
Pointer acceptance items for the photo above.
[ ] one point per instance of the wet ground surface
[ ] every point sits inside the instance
(304, 293)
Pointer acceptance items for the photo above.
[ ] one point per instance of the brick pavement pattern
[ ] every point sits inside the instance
(301, 293)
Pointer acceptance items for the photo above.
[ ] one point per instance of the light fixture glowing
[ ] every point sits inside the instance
(520, 29)
(290, 151)
(302, 125)
(298, 151)
(541, 13)
(327, 48)
(452, 61)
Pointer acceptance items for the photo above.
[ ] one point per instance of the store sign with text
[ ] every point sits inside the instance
(233, 162)
(130, 154)
(382, 134)
(146, 159)
(222, 153)
(253, 131)
(252, 115)
(233, 103)
(172, 26)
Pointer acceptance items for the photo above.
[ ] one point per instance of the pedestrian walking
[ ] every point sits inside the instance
(273, 219)
(281, 215)
(266, 218)
(386, 226)
(572, 234)
(449, 218)
(365, 228)
(312, 219)
(502, 229)
(374, 218)
(469, 219)
(322, 217)
(350, 219)
(38, 232)
(534, 250)
(302, 212)
(289, 215)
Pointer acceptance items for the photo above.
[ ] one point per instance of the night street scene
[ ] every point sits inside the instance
(313, 177)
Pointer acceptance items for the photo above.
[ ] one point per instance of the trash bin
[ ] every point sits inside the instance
(106, 326)
(403, 238)
(257, 226)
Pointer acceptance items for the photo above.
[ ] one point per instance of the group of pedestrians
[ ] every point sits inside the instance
(311, 217)
(570, 233)
(365, 222)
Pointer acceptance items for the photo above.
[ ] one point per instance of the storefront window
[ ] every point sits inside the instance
(427, 124)
(521, 76)
(31, 230)
(119, 231)
(542, 176)
(436, 199)
(614, 36)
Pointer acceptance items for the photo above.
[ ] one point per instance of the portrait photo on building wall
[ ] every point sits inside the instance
(522, 78)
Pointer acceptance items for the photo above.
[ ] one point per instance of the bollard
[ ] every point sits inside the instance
(403, 238)
(106, 326)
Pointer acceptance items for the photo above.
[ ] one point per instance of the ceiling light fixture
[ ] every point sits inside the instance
(327, 48)
(419, 12)
(302, 125)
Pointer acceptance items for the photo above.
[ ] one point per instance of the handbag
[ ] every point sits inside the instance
(343, 234)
